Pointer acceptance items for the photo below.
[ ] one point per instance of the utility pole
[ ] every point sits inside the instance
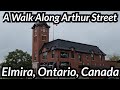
(53, 31)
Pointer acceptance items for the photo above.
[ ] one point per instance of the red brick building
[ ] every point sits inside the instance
(77, 54)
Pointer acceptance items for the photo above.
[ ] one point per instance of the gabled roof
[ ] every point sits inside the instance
(67, 45)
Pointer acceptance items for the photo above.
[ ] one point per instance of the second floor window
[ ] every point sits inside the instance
(64, 54)
(100, 57)
(45, 55)
(86, 57)
(92, 56)
(53, 54)
(79, 57)
(72, 54)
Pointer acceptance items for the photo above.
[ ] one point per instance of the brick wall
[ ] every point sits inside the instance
(75, 62)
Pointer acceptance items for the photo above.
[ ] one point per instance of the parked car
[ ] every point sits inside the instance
(64, 65)
(51, 65)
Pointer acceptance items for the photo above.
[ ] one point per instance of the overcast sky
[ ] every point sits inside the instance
(104, 35)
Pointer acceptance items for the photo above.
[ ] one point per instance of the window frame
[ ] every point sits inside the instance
(72, 54)
(92, 57)
(53, 54)
(64, 53)
(44, 57)
(45, 37)
(79, 55)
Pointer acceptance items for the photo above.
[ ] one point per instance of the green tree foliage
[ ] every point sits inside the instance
(17, 59)
(114, 57)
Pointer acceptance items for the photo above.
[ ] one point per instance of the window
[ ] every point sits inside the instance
(64, 54)
(45, 55)
(53, 54)
(92, 56)
(64, 63)
(100, 57)
(86, 57)
(72, 54)
(79, 57)
(44, 38)
(83, 64)
(44, 29)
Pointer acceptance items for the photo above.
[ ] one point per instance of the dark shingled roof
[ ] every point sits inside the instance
(67, 45)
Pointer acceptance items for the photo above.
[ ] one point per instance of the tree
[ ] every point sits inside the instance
(17, 59)
(114, 57)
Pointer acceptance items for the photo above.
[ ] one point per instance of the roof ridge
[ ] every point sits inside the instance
(76, 42)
